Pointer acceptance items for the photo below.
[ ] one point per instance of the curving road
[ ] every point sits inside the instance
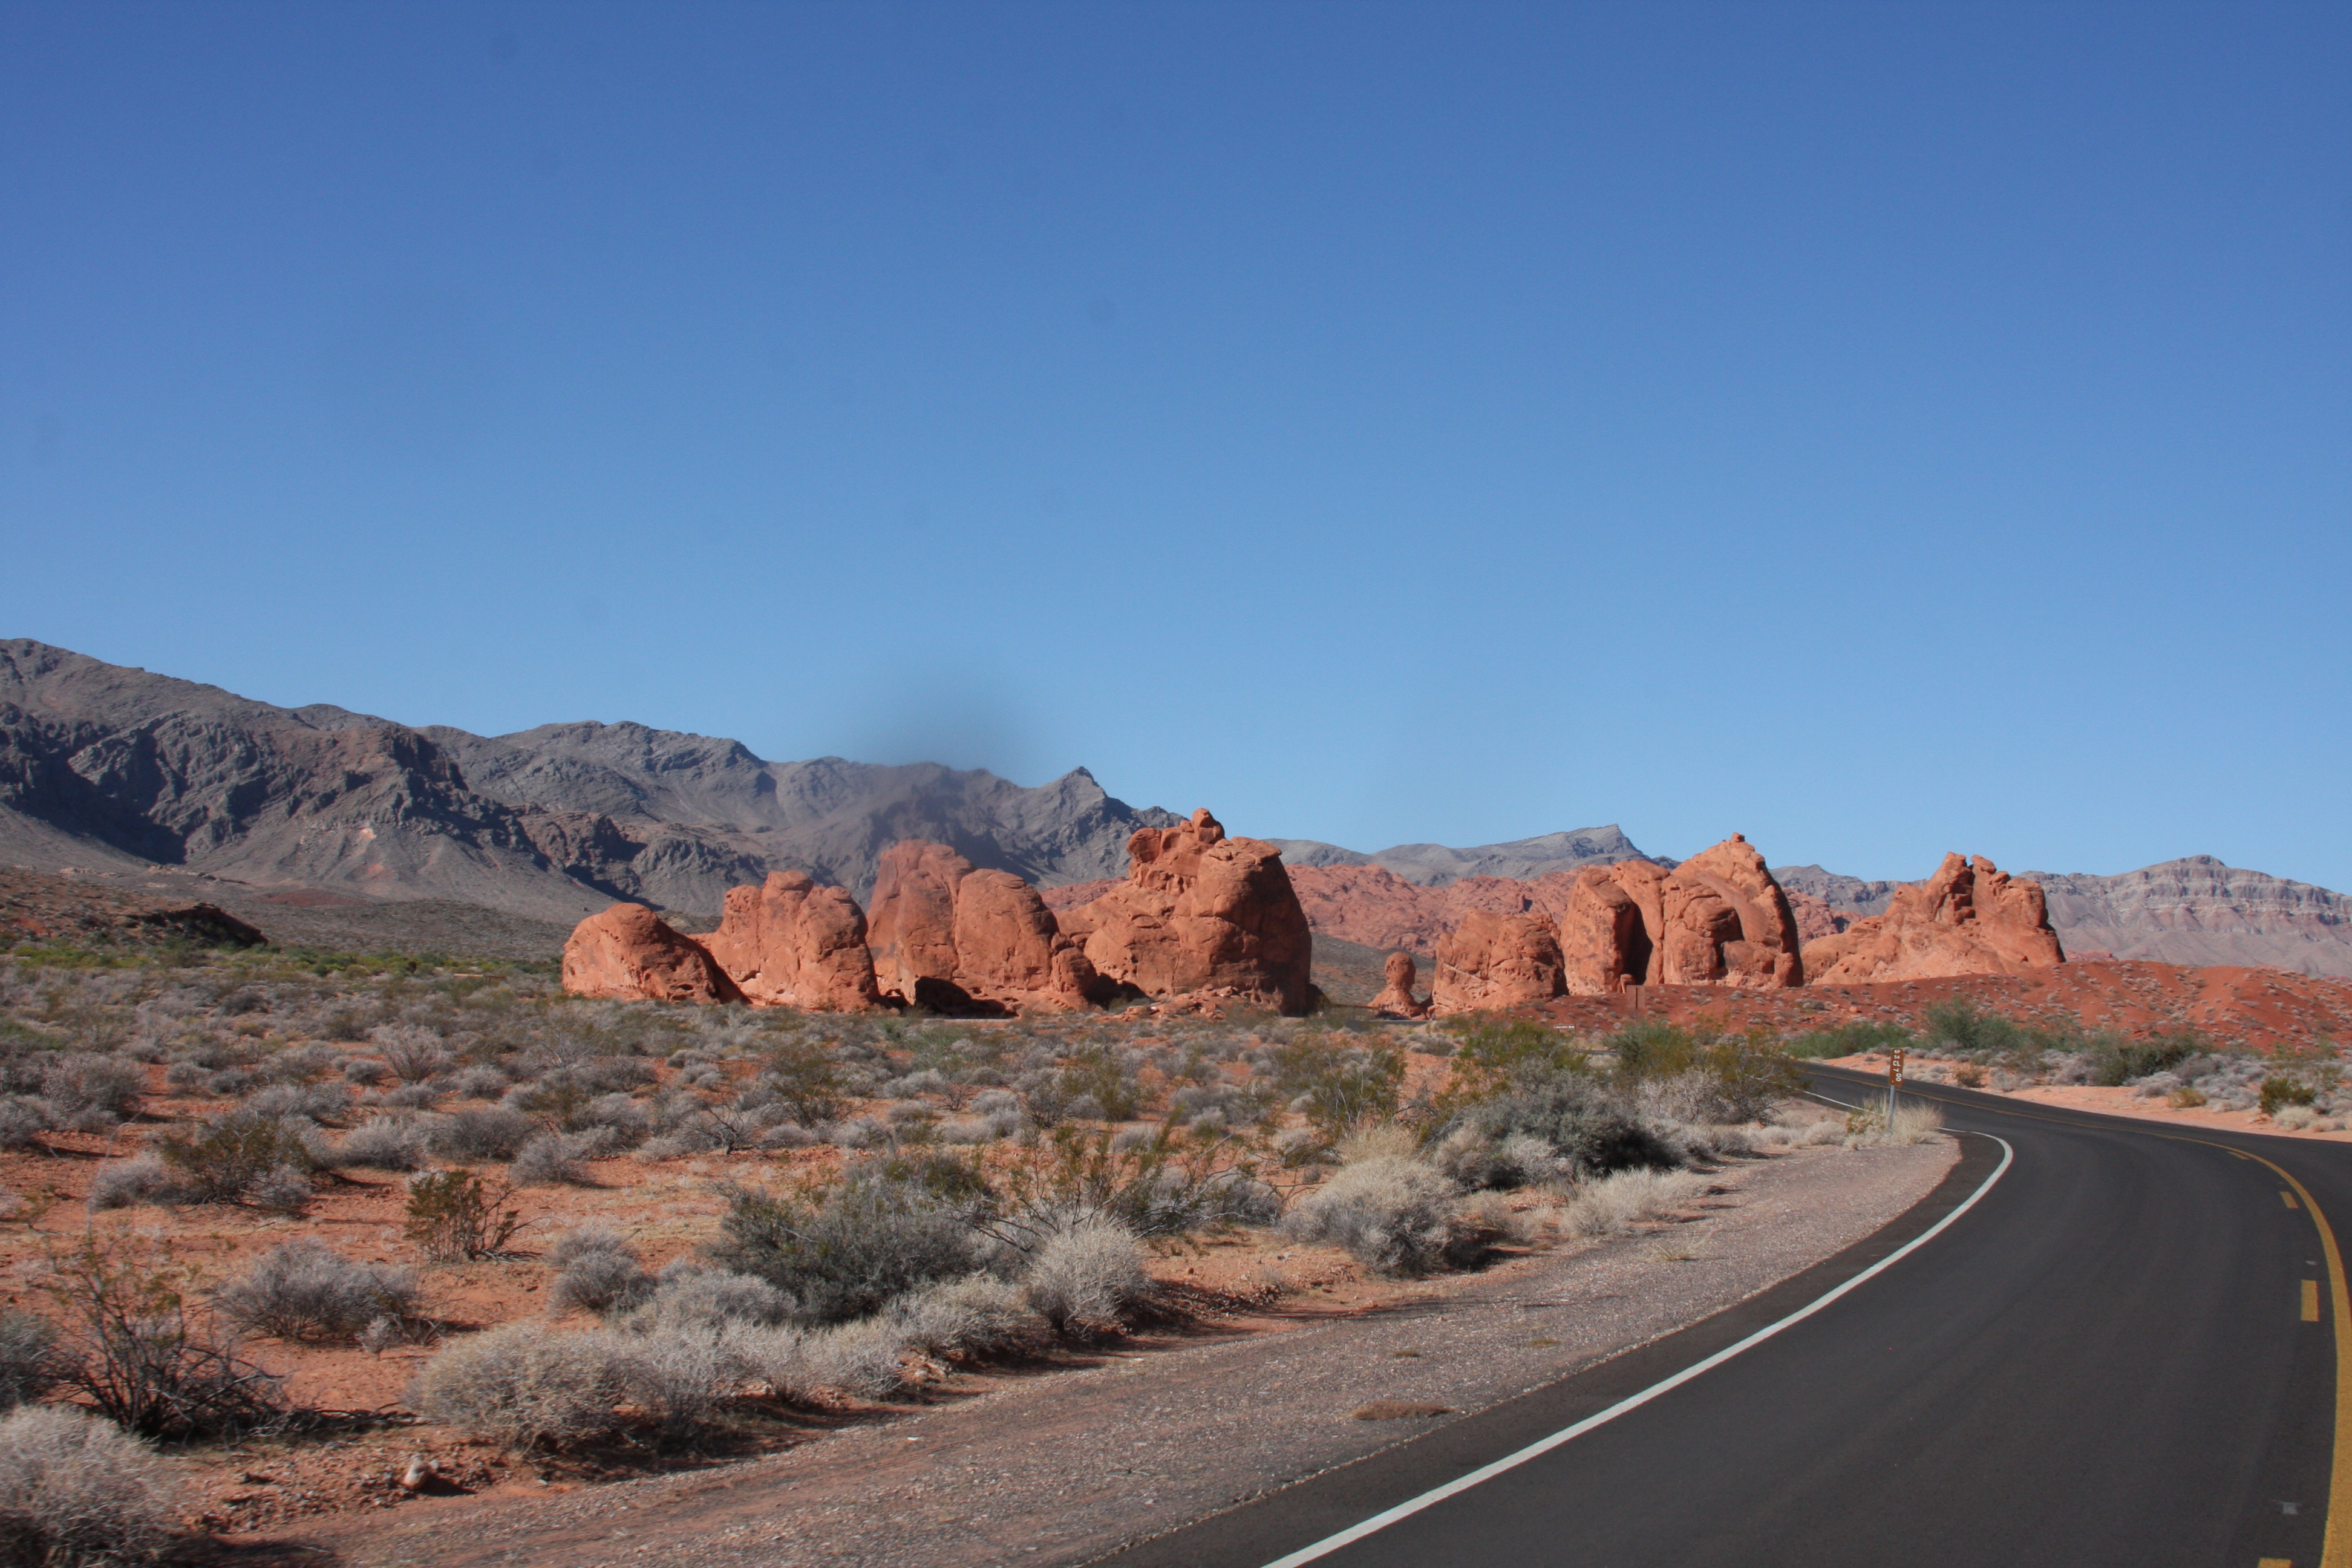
(2123, 1351)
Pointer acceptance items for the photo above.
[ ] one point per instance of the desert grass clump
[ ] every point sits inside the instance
(522, 1385)
(848, 1253)
(387, 1143)
(558, 1159)
(240, 1158)
(977, 1315)
(305, 1290)
(596, 1271)
(490, 1132)
(126, 1184)
(1613, 1205)
(1084, 1280)
(1393, 1213)
(33, 1357)
(693, 1299)
(454, 1216)
(76, 1491)
(1872, 1125)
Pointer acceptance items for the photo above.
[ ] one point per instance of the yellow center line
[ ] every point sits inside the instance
(2335, 1550)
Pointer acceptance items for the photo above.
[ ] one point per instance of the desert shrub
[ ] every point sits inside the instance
(977, 1315)
(2278, 1091)
(240, 1158)
(455, 1215)
(596, 1271)
(185, 1077)
(33, 1360)
(2116, 1059)
(1168, 1181)
(76, 1491)
(1960, 1027)
(477, 1083)
(698, 1298)
(1969, 1075)
(411, 1054)
(305, 1290)
(845, 1255)
(1726, 1078)
(1496, 1056)
(123, 1184)
(1614, 1203)
(680, 1376)
(312, 1102)
(1393, 1213)
(558, 1159)
(365, 1072)
(145, 1362)
(807, 1079)
(1581, 1119)
(627, 1121)
(2185, 1098)
(1337, 1084)
(1850, 1038)
(22, 1119)
(1083, 1280)
(492, 1132)
(92, 1092)
(524, 1387)
(387, 1143)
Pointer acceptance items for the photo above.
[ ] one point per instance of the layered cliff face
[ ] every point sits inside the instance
(2199, 911)
(1201, 915)
(1970, 918)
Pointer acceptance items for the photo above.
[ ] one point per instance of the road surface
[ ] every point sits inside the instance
(2124, 1350)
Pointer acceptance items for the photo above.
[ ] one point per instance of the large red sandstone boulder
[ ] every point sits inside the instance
(628, 953)
(1492, 960)
(1970, 918)
(1201, 915)
(957, 941)
(1396, 996)
(792, 943)
(1718, 918)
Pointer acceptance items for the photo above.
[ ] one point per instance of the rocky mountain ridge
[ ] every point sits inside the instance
(115, 770)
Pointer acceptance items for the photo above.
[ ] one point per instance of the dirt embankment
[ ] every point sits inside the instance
(1169, 1427)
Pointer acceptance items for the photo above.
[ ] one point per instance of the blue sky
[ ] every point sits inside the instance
(1879, 429)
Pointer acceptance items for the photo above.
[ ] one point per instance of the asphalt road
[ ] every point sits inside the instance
(2124, 1352)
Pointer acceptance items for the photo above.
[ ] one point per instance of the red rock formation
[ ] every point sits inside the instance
(1718, 918)
(1497, 961)
(1816, 917)
(628, 953)
(957, 940)
(790, 943)
(1375, 907)
(1201, 915)
(1396, 997)
(1970, 918)
(1729, 922)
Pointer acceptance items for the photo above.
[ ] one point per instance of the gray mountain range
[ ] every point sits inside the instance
(115, 770)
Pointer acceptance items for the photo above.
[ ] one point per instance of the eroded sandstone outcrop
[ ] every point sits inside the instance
(1970, 918)
(1201, 915)
(1493, 960)
(1396, 995)
(1717, 919)
(792, 943)
(957, 940)
(628, 953)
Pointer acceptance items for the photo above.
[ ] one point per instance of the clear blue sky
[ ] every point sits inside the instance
(1879, 429)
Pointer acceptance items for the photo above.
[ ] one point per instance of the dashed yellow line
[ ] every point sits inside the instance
(2335, 1550)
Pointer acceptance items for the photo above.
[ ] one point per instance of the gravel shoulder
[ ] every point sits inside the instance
(1063, 1467)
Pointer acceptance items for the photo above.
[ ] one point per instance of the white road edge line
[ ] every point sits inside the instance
(1543, 1445)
